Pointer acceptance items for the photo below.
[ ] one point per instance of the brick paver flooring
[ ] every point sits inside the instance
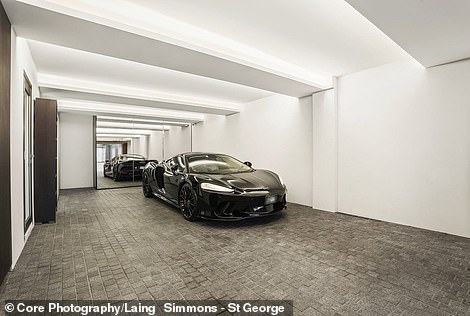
(116, 244)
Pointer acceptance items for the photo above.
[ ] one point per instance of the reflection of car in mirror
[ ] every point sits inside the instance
(204, 185)
(125, 166)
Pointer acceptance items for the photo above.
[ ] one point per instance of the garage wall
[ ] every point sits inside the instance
(143, 146)
(324, 151)
(139, 146)
(21, 60)
(177, 141)
(404, 145)
(155, 145)
(134, 148)
(76, 151)
(273, 133)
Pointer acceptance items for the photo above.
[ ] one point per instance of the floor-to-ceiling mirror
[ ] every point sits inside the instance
(124, 146)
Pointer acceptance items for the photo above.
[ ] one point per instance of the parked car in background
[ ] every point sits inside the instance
(125, 166)
(217, 186)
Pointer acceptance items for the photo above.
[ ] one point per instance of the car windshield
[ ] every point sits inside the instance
(215, 164)
(132, 157)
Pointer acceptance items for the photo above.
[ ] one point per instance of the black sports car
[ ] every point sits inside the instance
(216, 186)
(125, 166)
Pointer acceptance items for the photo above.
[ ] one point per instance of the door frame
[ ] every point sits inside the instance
(28, 164)
(95, 172)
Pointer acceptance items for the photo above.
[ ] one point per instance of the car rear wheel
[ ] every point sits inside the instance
(187, 202)
(146, 187)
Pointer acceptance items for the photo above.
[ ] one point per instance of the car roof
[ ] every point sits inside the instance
(196, 153)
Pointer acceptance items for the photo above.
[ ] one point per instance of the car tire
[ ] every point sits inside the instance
(146, 188)
(187, 202)
(115, 175)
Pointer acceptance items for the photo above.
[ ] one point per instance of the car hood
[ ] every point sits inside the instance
(248, 181)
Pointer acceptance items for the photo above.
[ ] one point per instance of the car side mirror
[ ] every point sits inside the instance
(249, 164)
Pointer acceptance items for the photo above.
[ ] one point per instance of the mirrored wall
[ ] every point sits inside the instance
(124, 146)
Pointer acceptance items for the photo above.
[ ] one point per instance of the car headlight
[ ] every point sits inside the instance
(214, 187)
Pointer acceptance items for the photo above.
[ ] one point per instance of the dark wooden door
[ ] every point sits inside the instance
(45, 160)
(5, 199)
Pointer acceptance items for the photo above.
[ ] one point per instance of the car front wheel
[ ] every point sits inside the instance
(146, 188)
(187, 202)
(115, 175)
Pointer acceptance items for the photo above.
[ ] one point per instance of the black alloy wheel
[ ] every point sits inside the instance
(187, 202)
(146, 188)
(115, 174)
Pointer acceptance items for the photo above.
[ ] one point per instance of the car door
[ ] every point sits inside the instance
(172, 177)
(152, 174)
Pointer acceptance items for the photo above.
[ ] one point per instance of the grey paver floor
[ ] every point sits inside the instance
(117, 244)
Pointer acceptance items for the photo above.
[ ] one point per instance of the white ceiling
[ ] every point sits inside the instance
(169, 44)
(325, 37)
(80, 65)
(434, 32)
(206, 56)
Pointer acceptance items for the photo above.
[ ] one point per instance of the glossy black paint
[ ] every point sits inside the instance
(248, 199)
(120, 169)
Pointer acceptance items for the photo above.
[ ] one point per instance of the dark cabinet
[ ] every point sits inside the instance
(45, 160)
(5, 199)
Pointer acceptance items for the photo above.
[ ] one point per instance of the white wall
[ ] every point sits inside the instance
(134, 146)
(21, 60)
(177, 141)
(143, 146)
(273, 133)
(324, 150)
(155, 145)
(404, 145)
(139, 146)
(76, 151)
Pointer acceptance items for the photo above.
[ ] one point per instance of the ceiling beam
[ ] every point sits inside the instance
(163, 46)
(131, 126)
(125, 111)
(162, 128)
(118, 136)
(57, 87)
(105, 130)
(143, 121)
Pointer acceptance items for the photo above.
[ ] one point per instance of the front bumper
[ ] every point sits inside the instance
(235, 206)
